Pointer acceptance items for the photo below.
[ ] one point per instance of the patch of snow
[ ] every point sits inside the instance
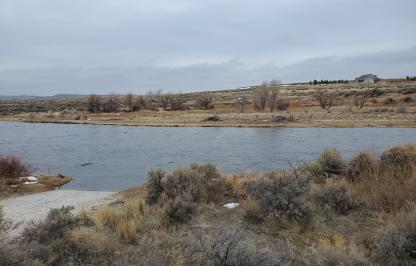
(231, 205)
(32, 178)
(30, 182)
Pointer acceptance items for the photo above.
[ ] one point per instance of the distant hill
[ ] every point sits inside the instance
(34, 97)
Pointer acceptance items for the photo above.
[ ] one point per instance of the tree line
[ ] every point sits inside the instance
(152, 101)
(318, 82)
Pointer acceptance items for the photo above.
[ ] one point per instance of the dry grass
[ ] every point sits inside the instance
(302, 106)
(105, 216)
(363, 216)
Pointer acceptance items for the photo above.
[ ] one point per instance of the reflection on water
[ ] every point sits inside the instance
(117, 157)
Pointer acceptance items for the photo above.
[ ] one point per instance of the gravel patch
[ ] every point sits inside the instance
(35, 207)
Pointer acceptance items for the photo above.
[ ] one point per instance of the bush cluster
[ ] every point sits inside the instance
(280, 196)
(184, 187)
(11, 168)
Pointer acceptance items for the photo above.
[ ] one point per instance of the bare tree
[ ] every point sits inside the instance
(153, 98)
(273, 98)
(177, 102)
(139, 103)
(205, 101)
(164, 100)
(112, 104)
(240, 104)
(260, 95)
(267, 95)
(325, 99)
(93, 103)
(129, 101)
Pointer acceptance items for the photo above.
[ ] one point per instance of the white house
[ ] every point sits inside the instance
(367, 79)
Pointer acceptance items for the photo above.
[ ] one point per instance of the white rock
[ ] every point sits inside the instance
(231, 205)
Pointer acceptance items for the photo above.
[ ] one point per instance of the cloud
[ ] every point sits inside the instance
(105, 45)
(232, 74)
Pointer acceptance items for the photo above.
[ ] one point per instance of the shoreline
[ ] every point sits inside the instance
(226, 124)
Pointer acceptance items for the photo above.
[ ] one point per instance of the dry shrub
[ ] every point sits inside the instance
(282, 104)
(105, 216)
(53, 227)
(212, 118)
(396, 243)
(402, 157)
(361, 166)
(252, 212)
(8, 254)
(329, 163)
(338, 252)
(232, 246)
(154, 185)
(202, 182)
(387, 184)
(178, 210)
(325, 99)
(11, 168)
(44, 241)
(388, 189)
(281, 195)
(85, 246)
(334, 197)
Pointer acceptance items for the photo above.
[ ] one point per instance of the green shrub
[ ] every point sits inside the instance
(154, 185)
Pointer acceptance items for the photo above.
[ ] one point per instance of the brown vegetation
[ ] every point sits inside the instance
(11, 168)
(13, 175)
(381, 104)
(361, 213)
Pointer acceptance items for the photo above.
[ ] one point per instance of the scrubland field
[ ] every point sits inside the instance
(383, 104)
(331, 211)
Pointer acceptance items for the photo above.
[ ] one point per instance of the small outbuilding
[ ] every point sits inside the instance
(367, 79)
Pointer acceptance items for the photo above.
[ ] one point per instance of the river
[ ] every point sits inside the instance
(113, 158)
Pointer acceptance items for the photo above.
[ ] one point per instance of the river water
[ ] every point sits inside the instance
(117, 157)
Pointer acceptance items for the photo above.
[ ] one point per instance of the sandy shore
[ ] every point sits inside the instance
(35, 207)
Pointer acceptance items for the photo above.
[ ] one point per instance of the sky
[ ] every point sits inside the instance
(51, 47)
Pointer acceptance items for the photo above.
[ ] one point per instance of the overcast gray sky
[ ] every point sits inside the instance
(102, 46)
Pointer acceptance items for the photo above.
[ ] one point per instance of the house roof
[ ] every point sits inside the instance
(367, 76)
